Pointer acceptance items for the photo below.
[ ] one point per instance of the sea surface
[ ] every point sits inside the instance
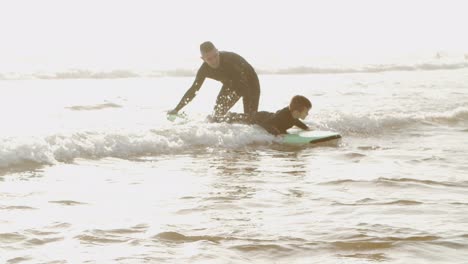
(91, 171)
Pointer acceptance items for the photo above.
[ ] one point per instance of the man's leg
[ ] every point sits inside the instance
(252, 96)
(226, 99)
(237, 118)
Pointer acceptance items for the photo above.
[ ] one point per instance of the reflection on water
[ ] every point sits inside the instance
(136, 188)
(253, 204)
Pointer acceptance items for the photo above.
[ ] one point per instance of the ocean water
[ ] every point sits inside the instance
(91, 171)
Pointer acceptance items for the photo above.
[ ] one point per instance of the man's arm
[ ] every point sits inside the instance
(191, 92)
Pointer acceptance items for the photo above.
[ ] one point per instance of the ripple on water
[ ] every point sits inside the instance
(372, 257)
(17, 207)
(177, 237)
(397, 182)
(43, 241)
(262, 247)
(18, 260)
(67, 202)
(96, 240)
(12, 237)
(369, 201)
(361, 245)
(111, 236)
(354, 155)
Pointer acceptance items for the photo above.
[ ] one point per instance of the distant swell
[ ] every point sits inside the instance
(373, 68)
(183, 72)
(86, 74)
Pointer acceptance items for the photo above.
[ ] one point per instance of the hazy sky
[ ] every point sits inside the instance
(155, 34)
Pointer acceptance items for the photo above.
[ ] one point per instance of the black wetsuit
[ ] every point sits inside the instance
(277, 123)
(239, 80)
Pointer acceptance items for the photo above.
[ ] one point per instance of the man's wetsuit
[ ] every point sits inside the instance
(277, 123)
(239, 80)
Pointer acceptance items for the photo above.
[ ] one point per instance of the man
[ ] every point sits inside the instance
(238, 77)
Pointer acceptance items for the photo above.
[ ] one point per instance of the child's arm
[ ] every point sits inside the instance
(301, 125)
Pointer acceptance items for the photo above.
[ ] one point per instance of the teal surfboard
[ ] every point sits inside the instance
(310, 137)
(297, 137)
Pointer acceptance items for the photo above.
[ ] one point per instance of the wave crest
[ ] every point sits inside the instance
(17, 152)
(377, 124)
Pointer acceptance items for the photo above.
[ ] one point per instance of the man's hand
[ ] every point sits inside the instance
(172, 112)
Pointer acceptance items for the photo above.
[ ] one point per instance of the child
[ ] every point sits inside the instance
(279, 122)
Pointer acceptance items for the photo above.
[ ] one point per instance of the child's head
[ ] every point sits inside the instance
(300, 106)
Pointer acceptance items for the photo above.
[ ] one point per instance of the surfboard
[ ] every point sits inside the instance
(296, 137)
(310, 137)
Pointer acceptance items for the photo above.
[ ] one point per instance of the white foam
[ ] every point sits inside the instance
(376, 124)
(126, 144)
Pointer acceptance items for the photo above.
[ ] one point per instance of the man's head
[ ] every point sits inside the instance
(300, 106)
(209, 54)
